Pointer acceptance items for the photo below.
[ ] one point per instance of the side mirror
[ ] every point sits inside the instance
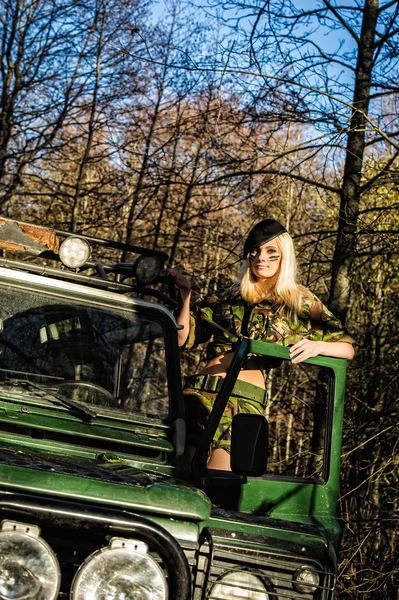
(249, 445)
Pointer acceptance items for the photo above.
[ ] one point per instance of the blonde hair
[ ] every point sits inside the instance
(286, 289)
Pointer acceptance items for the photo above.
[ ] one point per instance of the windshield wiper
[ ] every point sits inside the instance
(48, 393)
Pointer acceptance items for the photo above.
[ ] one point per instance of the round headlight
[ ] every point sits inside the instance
(122, 570)
(306, 580)
(28, 567)
(147, 268)
(74, 252)
(237, 585)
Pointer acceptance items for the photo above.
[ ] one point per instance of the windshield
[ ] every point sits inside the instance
(104, 357)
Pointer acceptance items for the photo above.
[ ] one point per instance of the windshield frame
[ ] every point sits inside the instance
(100, 299)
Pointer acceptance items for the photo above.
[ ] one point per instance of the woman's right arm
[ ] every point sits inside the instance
(183, 315)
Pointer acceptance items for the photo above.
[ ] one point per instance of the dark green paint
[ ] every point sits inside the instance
(164, 497)
(299, 501)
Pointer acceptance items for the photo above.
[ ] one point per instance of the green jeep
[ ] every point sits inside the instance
(101, 497)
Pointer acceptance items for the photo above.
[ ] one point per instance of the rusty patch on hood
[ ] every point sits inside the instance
(16, 235)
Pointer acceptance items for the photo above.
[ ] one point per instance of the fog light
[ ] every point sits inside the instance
(147, 268)
(122, 570)
(29, 569)
(306, 580)
(74, 252)
(239, 585)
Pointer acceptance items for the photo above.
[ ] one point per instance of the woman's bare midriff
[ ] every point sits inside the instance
(250, 373)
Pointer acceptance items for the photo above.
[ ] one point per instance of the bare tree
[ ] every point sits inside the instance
(43, 46)
(339, 94)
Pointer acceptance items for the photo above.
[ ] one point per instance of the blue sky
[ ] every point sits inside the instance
(336, 41)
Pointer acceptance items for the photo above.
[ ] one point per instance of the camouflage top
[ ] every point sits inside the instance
(222, 319)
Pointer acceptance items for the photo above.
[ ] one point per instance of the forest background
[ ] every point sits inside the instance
(178, 126)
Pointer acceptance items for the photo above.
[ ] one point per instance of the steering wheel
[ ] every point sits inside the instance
(90, 386)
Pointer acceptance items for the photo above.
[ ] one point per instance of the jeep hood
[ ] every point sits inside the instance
(116, 485)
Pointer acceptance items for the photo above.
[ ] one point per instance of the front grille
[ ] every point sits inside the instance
(207, 564)
(274, 569)
(75, 531)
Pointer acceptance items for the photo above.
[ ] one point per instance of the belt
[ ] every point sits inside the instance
(213, 383)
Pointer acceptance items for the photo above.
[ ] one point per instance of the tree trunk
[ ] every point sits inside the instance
(350, 194)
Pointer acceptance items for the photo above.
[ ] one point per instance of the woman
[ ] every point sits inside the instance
(267, 305)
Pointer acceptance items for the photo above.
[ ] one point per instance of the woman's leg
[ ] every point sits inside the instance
(219, 460)
(198, 408)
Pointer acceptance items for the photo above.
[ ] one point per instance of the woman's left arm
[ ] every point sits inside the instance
(328, 337)
(308, 348)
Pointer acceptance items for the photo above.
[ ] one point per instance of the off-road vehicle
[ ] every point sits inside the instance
(101, 495)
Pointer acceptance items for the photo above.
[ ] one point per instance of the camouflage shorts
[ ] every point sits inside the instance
(199, 405)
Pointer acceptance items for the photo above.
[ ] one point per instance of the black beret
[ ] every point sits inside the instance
(260, 234)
